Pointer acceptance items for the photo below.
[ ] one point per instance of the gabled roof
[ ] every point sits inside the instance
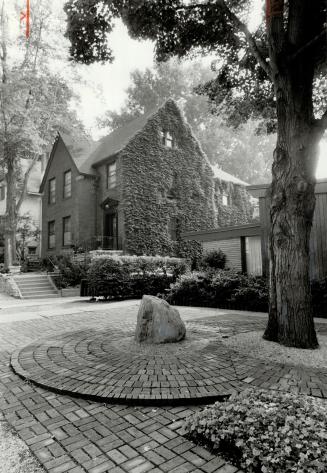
(225, 176)
(116, 141)
(79, 149)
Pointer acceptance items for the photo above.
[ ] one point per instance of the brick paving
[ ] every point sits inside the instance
(107, 365)
(69, 434)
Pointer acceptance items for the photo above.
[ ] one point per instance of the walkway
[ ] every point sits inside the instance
(70, 434)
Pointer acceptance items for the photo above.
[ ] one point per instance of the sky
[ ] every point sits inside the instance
(102, 87)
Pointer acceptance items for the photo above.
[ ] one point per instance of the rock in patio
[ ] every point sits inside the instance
(158, 322)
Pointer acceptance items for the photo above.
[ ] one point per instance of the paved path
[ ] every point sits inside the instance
(77, 435)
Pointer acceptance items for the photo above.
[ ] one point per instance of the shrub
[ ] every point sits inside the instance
(254, 296)
(261, 431)
(215, 259)
(132, 276)
(70, 272)
(219, 288)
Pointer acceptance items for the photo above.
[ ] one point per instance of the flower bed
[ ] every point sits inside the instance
(268, 432)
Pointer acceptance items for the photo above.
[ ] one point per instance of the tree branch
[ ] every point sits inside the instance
(257, 53)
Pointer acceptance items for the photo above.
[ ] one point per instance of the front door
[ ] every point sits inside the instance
(110, 240)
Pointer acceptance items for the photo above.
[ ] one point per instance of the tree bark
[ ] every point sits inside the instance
(11, 214)
(291, 213)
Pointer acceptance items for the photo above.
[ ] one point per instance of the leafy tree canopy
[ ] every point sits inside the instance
(242, 85)
(240, 151)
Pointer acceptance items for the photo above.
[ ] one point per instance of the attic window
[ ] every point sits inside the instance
(167, 139)
(226, 199)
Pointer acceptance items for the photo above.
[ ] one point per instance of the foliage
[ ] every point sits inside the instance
(34, 104)
(131, 276)
(70, 272)
(220, 288)
(214, 259)
(241, 151)
(164, 187)
(266, 432)
(147, 264)
(26, 230)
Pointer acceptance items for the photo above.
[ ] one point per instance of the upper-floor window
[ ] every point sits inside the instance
(51, 235)
(67, 184)
(111, 175)
(66, 231)
(226, 199)
(2, 192)
(167, 139)
(52, 191)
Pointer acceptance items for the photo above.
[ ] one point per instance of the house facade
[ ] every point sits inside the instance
(137, 190)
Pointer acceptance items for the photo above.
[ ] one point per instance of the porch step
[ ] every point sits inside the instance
(36, 286)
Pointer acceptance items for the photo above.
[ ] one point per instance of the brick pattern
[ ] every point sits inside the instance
(104, 365)
(69, 434)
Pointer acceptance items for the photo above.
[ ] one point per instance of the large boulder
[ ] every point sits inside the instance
(158, 322)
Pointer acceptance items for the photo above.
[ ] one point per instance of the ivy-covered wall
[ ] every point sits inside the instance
(239, 211)
(165, 190)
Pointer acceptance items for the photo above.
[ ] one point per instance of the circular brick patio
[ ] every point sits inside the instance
(110, 366)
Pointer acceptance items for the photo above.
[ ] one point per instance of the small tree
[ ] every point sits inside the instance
(25, 231)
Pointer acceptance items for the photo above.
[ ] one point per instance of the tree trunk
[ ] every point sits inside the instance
(11, 215)
(291, 214)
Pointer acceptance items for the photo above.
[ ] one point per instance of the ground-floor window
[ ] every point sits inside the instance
(66, 229)
(51, 235)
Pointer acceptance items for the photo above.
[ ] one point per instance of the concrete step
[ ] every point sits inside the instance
(36, 287)
(34, 283)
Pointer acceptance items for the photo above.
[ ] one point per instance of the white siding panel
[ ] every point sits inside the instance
(231, 248)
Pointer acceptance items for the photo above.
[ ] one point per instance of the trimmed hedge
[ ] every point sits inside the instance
(120, 277)
(265, 432)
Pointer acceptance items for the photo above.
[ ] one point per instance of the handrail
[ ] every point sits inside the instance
(55, 268)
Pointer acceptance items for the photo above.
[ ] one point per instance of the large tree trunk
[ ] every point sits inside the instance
(291, 214)
(11, 215)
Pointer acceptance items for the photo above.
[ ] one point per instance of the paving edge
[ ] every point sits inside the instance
(140, 401)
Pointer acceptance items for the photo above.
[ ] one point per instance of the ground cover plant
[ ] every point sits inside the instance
(268, 432)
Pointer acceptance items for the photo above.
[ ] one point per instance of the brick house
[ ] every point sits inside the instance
(137, 189)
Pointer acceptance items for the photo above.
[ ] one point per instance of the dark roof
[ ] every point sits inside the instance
(116, 141)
